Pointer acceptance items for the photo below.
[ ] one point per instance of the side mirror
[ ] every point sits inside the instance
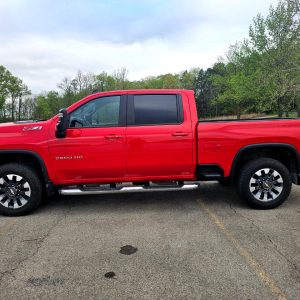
(62, 124)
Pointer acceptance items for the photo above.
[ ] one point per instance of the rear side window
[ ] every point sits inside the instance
(157, 109)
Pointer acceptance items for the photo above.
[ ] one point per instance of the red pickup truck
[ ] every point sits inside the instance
(144, 140)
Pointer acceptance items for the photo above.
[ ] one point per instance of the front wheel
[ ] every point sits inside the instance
(264, 183)
(20, 189)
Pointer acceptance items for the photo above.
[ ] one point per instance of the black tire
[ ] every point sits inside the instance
(249, 179)
(30, 192)
(225, 181)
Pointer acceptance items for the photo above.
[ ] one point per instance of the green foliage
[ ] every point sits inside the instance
(4, 84)
(275, 40)
(260, 75)
(12, 89)
(42, 108)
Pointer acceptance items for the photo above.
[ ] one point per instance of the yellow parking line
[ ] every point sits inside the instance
(260, 272)
(6, 226)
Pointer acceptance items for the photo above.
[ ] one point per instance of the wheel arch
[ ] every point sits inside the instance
(30, 158)
(285, 153)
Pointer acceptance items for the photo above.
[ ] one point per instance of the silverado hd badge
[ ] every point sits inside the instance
(68, 157)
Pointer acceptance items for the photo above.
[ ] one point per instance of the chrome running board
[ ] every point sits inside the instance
(126, 189)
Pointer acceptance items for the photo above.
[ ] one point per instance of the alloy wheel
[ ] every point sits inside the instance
(266, 185)
(15, 191)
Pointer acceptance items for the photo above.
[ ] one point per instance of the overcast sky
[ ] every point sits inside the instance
(42, 41)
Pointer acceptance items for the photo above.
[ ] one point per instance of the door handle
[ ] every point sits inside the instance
(180, 134)
(112, 137)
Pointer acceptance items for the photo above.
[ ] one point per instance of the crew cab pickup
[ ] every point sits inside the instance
(141, 141)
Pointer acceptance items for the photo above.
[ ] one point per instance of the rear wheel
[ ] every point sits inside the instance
(20, 190)
(264, 183)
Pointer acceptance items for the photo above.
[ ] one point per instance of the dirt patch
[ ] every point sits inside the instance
(128, 250)
(110, 275)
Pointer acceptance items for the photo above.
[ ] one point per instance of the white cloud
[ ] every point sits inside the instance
(194, 34)
(42, 63)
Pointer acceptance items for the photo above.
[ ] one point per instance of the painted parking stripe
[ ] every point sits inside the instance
(251, 262)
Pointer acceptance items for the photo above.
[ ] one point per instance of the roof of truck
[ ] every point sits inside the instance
(144, 91)
(122, 92)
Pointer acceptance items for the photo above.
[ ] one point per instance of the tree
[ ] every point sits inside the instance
(236, 97)
(238, 89)
(104, 82)
(24, 91)
(66, 86)
(54, 102)
(276, 40)
(188, 79)
(28, 108)
(42, 110)
(210, 84)
(14, 89)
(5, 76)
(203, 88)
(121, 78)
(76, 88)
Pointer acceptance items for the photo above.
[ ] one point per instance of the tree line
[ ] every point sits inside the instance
(258, 76)
(12, 94)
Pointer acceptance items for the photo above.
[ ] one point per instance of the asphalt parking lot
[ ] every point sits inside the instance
(203, 244)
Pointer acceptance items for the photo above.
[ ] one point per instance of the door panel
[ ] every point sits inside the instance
(89, 154)
(94, 148)
(159, 150)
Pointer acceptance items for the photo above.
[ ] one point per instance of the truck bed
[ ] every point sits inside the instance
(219, 142)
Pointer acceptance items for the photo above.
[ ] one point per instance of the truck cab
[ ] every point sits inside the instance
(129, 136)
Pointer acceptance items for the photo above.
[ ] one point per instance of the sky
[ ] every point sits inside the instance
(43, 41)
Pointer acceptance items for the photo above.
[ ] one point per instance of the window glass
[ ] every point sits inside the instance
(96, 113)
(155, 109)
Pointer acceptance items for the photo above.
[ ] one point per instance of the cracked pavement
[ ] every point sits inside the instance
(65, 249)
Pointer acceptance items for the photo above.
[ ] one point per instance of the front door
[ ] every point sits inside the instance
(94, 148)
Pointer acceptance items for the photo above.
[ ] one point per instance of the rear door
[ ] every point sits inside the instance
(159, 140)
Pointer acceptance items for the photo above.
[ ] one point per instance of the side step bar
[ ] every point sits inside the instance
(126, 189)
